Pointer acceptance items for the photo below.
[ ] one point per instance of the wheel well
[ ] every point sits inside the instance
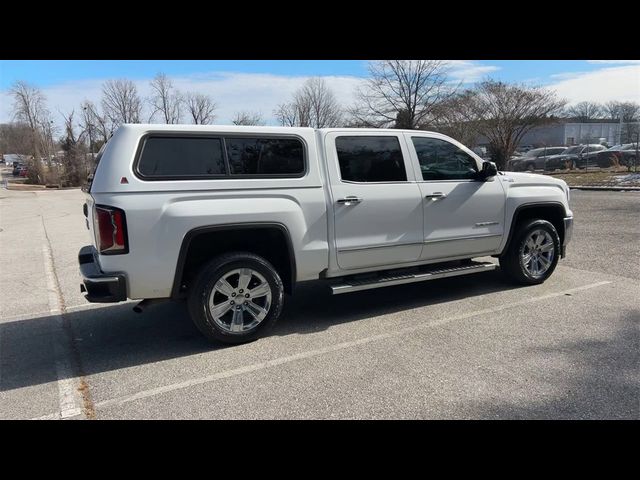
(552, 213)
(203, 244)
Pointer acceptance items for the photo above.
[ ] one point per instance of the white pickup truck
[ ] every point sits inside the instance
(232, 218)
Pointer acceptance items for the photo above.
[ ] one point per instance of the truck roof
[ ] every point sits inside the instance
(159, 127)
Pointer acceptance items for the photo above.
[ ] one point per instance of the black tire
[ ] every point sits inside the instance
(510, 262)
(207, 278)
(531, 167)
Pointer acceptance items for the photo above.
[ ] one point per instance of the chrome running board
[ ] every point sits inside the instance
(428, 272)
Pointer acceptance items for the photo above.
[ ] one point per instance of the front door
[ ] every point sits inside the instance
(463, 216)
(376, 203)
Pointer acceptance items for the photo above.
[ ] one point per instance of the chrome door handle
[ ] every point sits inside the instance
(436, 195)
(349, 200)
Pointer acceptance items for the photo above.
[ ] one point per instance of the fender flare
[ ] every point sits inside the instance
(195, 232)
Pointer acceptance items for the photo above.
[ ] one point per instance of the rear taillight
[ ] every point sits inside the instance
(110, 227)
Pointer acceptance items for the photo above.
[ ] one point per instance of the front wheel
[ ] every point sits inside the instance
(236, 298)
(533, 253)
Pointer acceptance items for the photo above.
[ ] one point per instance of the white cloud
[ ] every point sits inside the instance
(466, 71)
(612, 83)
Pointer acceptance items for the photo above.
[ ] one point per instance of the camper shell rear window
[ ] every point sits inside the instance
(197, 157)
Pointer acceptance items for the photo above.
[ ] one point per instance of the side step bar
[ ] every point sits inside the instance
(431, 272)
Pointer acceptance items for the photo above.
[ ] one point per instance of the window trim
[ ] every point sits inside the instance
(227, 175)
(387, 182)
(448, 180)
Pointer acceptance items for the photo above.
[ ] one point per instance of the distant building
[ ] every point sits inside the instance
(571, 133)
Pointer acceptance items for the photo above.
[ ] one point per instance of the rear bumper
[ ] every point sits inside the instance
(568, 232)
(98, 286)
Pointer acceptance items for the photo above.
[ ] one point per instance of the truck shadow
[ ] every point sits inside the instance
(114, 337)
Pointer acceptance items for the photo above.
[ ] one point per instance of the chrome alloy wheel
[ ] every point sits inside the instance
(240, 300)
(537, 253)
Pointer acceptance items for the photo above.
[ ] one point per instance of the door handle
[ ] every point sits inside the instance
(349, 200)
(436, 195)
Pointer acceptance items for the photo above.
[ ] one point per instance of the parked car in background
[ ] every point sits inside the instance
(535, 159)
(578, 156)
(23, 172)
(623, 154)
(525, 148)
(17, 167)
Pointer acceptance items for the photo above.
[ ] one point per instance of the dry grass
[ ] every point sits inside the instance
(599, 178)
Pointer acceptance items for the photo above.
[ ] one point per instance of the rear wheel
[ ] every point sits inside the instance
(236, 298)
(533, 253)
(531, 167)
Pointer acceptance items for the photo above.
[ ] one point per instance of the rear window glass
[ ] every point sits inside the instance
(181, 157)
(265, 156)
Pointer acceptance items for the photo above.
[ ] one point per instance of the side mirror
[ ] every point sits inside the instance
(489, 170)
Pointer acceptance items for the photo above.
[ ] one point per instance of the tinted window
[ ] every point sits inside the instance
(370, 159)
(555, 151)
(265, 156)
(181, 157)
(533, 153)
(441, 160)
(573, 150)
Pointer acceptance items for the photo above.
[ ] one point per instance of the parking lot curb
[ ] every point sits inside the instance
(613, 189)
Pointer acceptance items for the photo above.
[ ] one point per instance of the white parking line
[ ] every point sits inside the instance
(69, 398)
(72, 308)
(333, 348)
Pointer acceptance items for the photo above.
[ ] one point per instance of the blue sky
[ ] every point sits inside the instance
(260, 85)
(50, 72)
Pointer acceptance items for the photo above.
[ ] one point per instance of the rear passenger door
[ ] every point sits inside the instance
(377, 205)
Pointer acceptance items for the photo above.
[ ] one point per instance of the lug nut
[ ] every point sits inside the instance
(238, 307)
(247, 295)
(232, 302)
(233, 294)
(241, 291)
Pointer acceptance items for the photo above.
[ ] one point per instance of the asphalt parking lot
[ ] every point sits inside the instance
(465, 348)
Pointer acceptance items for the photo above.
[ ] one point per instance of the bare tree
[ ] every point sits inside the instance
(248, 118)
(454, 118)
(612, 109)
(29, 107)
(314, 105)
(47, 131)
(74, 160)
(629, 111)
(96, 125)
(505, 113)
(121, 102)
(165, 101)
(287, 114)
(585, 111)
(401, 93)
(201, 108)
(15, 138)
